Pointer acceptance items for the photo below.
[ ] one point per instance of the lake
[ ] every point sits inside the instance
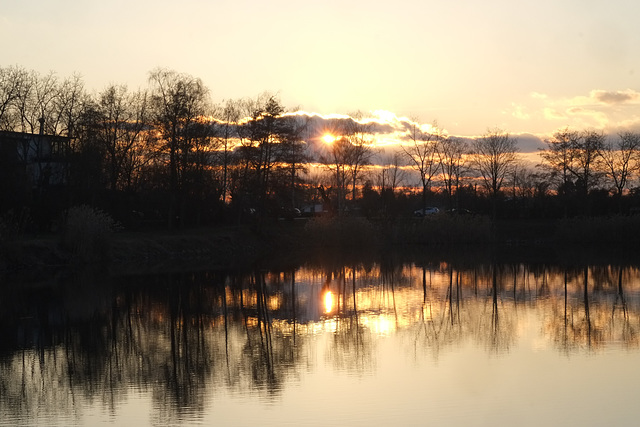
(375, 342)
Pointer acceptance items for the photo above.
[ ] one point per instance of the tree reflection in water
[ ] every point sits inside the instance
(184, 337)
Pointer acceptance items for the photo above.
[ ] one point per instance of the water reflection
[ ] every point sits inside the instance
(182, 338)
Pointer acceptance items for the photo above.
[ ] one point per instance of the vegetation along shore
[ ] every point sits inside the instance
(613, 238)
(162, 175)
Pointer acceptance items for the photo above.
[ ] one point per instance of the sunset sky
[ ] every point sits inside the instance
(525, 67)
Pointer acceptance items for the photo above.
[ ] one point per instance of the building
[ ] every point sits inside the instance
(30, 164)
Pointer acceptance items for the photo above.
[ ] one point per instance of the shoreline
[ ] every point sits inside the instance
(238, 246)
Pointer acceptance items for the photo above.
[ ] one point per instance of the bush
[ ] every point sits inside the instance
(87, 233)
(13, 224)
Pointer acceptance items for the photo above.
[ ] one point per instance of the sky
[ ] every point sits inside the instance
(528, 68)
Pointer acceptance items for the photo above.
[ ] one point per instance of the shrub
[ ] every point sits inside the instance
(13, 224)
(87, 233)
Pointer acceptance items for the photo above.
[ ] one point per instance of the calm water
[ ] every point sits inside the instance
(362, 344)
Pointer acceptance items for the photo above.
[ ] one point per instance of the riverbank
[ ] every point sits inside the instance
(227, 247)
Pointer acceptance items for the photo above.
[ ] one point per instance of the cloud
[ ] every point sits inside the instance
(528, 143)
(319, 125)
(615, 97)
(553, 114)
(384, 126)
(518, 111)
(388, 131)
(603, 98)
(606, 110)
(589, 117)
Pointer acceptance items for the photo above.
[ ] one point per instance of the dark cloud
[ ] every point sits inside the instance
(396, 129)
(615, 97)
(319, 125)
(528, 143)
(400, 128)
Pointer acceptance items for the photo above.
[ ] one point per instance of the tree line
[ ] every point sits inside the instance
(168, 155)
(166, 151)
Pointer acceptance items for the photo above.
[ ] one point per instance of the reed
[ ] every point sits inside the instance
(444, 230)
(343, 232)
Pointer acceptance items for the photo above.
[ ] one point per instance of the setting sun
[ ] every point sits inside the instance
(328, 138)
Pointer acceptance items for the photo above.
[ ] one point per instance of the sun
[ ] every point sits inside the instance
(328, 138)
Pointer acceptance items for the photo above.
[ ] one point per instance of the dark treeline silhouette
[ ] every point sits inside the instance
(167, 157)
(162, 155)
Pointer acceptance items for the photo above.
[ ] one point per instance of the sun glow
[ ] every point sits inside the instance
(328, 138)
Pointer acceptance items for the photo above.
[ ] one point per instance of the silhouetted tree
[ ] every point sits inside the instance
(451, 158)
(359, 148)
(86, 159)
(68, 106)
(392, 175)
(421, 151)
(294, 156)
(336, 161)
(12, 83)
(388, 179)
(228, 115)
(493, 156)
(36, 103)
(263, 138)
(557, 158)
(585, 163)
(121, 121)
(178, 101)
(618, 160)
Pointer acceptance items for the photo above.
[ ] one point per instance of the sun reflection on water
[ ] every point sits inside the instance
(328, 302)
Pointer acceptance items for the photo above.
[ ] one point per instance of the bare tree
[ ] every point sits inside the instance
(349, 153)
(585, 165)
(421, 151)
(557, 159)
(493, 156)
(12, 82)
(392, 174)
(69, 104)
(294, 154)
(336, 160)
(358, 148)
(451, 153)
(618, 160)
(524, 182)
(226, 131)
(178, 101)
(37, 103)
(122, 118)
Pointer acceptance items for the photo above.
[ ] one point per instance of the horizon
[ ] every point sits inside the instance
(526, 69)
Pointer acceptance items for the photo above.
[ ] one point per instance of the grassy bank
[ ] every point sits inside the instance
(231, 246)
